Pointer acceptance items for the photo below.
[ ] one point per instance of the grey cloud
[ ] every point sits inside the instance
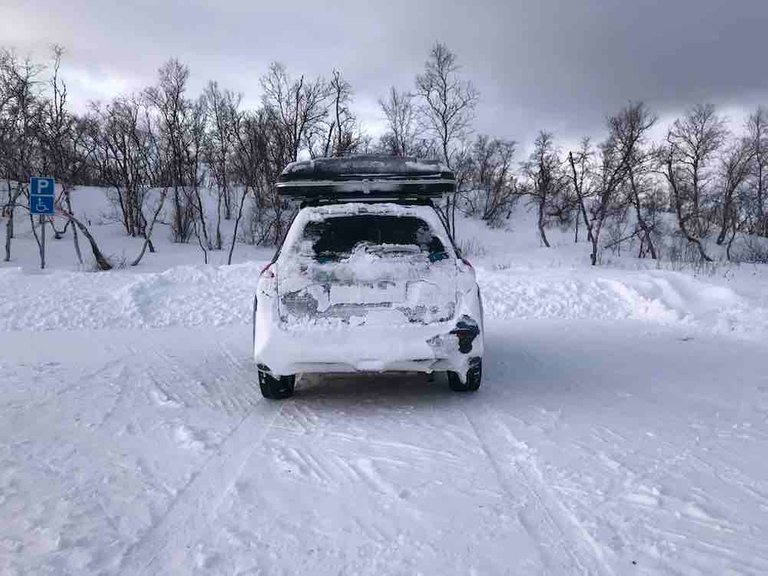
(557, 65)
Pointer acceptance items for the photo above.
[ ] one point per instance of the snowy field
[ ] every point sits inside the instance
(622, 427)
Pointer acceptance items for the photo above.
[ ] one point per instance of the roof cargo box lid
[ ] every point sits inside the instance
(365, 177)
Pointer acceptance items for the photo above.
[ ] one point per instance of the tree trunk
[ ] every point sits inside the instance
(640, 220)
(218, 220)
(761, 215)
(101, 262)
(75, 239)
(576, 235)
(447, 212)
(453, 213)
(679, 212)
(178, 217)
(10, 226)
(237, 224)
(593, 254)
(542, 233)
(726, 217)
(200, 242)
(123, 210)
(730, 242)
(227, 203)
(580, 195)
(201, 214)
(9, 232)
(148, 231)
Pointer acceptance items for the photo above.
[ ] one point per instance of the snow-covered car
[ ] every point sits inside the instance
(368, 280)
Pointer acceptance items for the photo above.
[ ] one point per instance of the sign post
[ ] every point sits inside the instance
(41, 195)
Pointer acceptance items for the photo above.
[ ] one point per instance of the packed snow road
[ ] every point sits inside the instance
(593, 447)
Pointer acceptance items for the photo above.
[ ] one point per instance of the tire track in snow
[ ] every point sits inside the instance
(565, 546)
(204, 384)
(163, 546)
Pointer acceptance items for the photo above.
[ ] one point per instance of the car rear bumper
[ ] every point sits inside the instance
(414, 348)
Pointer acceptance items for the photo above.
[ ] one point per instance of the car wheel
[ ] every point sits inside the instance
(276, 388)
(473, 380)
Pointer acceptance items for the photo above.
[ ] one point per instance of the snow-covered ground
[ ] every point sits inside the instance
(622, 427)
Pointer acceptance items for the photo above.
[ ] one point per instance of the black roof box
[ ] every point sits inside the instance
(365, 178)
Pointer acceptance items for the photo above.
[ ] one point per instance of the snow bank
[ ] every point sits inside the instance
(180, 296)
(660, 297)
(220, 295)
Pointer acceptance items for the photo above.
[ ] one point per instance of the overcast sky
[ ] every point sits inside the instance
(539, 64)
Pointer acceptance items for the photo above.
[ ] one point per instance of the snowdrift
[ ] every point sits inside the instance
(221, 295)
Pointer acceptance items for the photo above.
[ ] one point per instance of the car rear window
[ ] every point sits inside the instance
(334, 239)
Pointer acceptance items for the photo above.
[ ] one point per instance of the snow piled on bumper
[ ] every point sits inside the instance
(214, 296)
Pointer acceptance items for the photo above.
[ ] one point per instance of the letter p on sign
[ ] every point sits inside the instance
(41, 186)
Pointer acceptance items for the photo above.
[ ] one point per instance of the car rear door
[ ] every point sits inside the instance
(367, 268)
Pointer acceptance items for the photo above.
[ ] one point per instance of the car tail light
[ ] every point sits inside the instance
(466, 331)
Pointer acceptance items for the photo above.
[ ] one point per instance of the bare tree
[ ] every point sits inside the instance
(692, 143)
(581, 176)
(493, 183)
(222, 109)
(57, 138)
(629, 129)
(150, 227)
(67, 144)
(610, 175)
(757, 138)
(193, 172)
(598, 180)
(339, 132)
(695, 140)
(263, 149)
(297, 106)
(734, 170)
(126, 143)
(174, 110)
(400, 114)
(546, 179)
(345, 131)
(21, 106)
(446, 107)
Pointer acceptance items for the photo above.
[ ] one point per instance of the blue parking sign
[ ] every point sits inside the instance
(41, 193)
(42, 186)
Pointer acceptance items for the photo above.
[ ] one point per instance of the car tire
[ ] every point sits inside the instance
(278, 388)
(473, 380)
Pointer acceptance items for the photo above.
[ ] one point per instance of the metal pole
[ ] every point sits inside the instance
(42, 242)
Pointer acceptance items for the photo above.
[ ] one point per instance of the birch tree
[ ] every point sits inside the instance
(446, 106)
(398, 109)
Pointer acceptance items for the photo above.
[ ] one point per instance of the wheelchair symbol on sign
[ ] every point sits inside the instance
(41, 205)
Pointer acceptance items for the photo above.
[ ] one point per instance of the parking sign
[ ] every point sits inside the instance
(41, 193)
(41, 205)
